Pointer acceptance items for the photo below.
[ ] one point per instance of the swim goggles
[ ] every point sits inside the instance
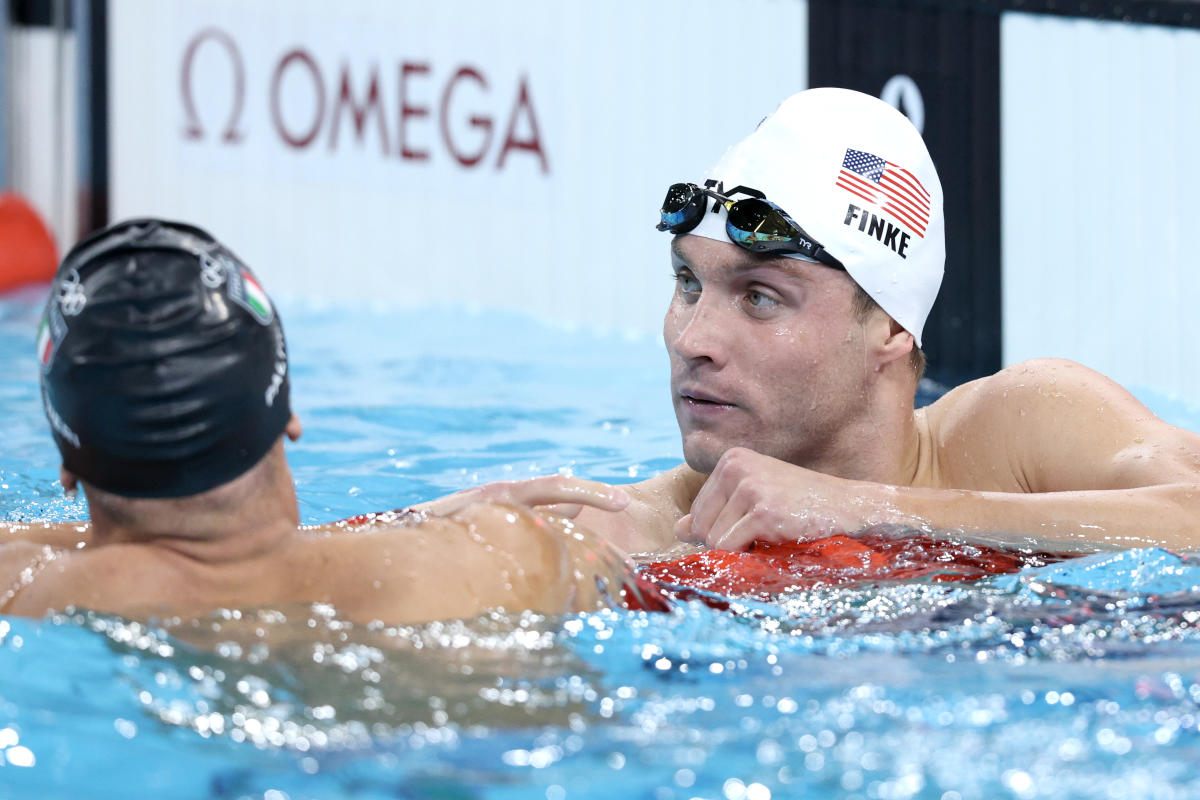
(755, 223)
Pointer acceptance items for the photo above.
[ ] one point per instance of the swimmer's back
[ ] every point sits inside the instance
(502, 557)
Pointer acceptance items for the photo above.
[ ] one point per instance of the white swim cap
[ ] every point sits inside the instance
(855, 174)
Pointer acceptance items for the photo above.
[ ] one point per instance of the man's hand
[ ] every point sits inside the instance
(558, 494)
(750, 496)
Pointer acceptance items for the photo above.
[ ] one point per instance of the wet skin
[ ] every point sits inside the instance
(766, 353)
(481, 549)
(797, 420)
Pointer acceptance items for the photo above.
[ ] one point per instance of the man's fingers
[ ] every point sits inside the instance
(713, 500)
(705, 508)
(565, 510)
(733, 529)
(684, 531)
(444, 506)
(711, 507)
(556, 489)
(729, 533)
(551, 490)
(737, 538)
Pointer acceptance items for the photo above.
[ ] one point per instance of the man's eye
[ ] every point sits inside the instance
(759, 300)
(686, 282)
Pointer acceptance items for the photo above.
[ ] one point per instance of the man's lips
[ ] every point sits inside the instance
(703, 398)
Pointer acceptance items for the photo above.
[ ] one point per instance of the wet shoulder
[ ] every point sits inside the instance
(21, 562)
(37, 578)
(116, 578)
(1024, 389)
(986, 433)
(1027, 427)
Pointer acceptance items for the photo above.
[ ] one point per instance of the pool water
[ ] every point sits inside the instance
(1076, 679)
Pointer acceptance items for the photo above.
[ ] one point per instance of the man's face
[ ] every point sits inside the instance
(766, 353)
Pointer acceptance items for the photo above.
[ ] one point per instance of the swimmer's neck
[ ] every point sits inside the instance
(229, 523)
(885, 439)
(916, 466)
(887, 444)
(218, 539)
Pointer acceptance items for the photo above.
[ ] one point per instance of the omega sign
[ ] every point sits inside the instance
(342, 103)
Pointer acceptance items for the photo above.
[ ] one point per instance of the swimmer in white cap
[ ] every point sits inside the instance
(806, 262)
(165, 380)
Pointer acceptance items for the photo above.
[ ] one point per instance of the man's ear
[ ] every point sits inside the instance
(896, 344)
(68, 480)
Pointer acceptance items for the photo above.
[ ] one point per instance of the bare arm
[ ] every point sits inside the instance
(637, 518)
(1166, 515)
(1047, 450)
(752, 496)
(566, 495)
(484, 555)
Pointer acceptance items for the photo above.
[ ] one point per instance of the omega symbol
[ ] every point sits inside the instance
(194, 129)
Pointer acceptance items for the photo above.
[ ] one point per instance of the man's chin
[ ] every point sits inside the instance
(702, 456)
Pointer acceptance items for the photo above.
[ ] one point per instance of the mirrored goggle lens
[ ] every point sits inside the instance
(759, 221)
(678, 196)
(682, 208)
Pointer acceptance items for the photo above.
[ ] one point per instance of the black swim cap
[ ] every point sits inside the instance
(164, 367)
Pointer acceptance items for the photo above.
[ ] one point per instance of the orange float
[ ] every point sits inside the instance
(27, 253)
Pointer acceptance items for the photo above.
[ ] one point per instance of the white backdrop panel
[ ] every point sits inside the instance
(1100, 124)
(510, 155)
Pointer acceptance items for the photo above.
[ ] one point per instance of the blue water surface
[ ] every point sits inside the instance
(1077, 679)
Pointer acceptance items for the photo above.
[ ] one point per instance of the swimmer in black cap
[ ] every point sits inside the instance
(164, 367)
(165, 381)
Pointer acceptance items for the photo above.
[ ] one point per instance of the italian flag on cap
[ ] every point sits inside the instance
(45, 342)
(256, 298)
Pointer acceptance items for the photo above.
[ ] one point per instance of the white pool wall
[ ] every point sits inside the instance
(603, 106)
(1101, 197)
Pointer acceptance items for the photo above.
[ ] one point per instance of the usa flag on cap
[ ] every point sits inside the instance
(888, 186)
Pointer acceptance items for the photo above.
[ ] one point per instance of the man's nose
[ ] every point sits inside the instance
(699, 333)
